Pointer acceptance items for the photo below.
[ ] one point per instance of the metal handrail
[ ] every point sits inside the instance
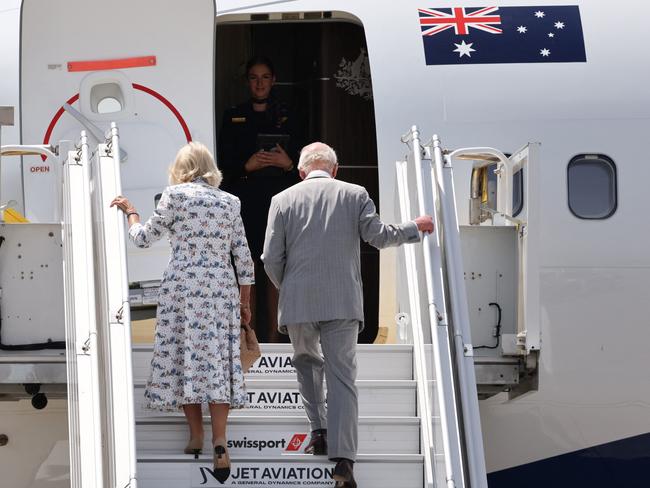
(438, 317)
(419, 353)
(125, 318)
(460, 314)
(113, 314)
(29, 150)
(505, 170)
(84, 398)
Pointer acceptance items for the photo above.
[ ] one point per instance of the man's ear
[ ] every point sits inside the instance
(302, 174)
(334, 170)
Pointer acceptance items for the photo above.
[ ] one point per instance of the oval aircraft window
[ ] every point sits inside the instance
(109, 105)
(591, 182)
(106, 98)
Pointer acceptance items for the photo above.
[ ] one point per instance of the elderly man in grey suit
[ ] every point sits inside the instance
(311, 253)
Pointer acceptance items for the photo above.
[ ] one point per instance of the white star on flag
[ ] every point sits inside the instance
(545, 52)
(550, 34)
(521, 29)
(559, 25)
(464, 49)
(539, 14)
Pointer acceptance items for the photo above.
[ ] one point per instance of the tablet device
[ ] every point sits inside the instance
(267, 142)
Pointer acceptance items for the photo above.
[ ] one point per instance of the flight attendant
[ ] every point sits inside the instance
(257, 152)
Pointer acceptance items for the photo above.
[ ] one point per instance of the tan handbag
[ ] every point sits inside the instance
(249, 347)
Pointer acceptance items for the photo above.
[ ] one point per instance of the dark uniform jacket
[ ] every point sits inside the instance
(237, 143)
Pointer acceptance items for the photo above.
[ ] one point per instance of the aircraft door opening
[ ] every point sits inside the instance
(323, 87)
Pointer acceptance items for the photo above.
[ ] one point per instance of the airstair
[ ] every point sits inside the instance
(78, 262)
(419, 423)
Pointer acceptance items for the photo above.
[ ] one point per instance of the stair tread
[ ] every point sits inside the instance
(268, 347)
(293, 383)
(279, 419)
(155, 456)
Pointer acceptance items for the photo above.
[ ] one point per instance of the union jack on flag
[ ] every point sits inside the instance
(461, 19)
(488, 35)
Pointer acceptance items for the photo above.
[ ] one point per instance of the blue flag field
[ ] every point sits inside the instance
(481, 35)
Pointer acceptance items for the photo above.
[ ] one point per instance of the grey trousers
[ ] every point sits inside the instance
(340, 415)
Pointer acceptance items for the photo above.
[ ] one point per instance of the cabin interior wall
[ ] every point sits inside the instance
(307, 57)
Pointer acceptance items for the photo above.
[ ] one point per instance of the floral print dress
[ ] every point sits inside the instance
(196, 349)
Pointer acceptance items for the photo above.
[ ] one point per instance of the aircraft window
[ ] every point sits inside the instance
(591, 182)
(106, 98)
(109, 105)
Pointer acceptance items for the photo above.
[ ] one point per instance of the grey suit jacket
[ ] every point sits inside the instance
(311, 248)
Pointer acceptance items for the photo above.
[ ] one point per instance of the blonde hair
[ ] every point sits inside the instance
(193, 161)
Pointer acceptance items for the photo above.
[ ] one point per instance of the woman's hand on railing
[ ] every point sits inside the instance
(129, 210)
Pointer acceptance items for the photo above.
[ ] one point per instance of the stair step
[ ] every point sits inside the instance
(274, 436)
(281, 397)
(376, 471)
(376, 362)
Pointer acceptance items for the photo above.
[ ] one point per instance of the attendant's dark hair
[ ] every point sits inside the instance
(263, 60)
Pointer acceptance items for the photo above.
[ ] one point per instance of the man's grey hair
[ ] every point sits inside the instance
(317, 155)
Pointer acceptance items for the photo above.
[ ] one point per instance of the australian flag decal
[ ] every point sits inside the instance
(485, 35)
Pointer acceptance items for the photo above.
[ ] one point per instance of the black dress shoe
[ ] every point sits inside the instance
(318, 443)
(343, 474)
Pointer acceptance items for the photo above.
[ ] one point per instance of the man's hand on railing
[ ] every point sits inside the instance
(424, 223)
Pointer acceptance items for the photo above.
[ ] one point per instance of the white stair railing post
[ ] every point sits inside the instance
(425, 411)
(114, 314)
(84, 411)
(460, 318)
(431, 247)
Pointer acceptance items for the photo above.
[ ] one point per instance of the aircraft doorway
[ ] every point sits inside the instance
(323, 78)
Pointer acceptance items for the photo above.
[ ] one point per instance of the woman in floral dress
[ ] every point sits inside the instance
(200, 308)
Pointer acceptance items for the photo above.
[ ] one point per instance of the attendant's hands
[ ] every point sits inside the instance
(278, 157)
(245, 312)
(424, 223)
(254, 163)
